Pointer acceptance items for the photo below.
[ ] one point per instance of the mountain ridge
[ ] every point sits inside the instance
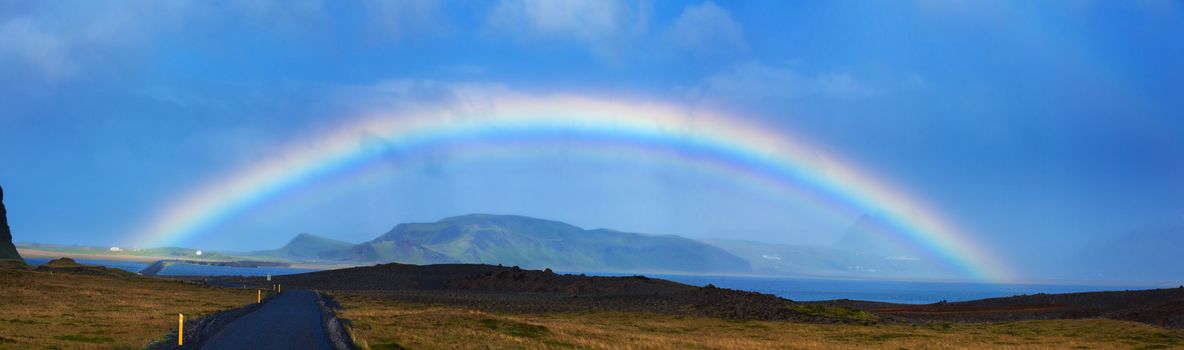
(532, 242)
(516, 240)
(309, 246)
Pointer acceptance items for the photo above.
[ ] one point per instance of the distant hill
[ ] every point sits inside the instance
(870, 236)
(537, 243)
(309, 246)
(780, 259)
(7, 250)
(869, 249)
(788, 259)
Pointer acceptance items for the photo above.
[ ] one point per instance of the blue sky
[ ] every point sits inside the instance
(1050, 129)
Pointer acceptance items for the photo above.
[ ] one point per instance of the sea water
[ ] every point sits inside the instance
(132, 266)
(904, 292)
(181, 269)
(213, 270)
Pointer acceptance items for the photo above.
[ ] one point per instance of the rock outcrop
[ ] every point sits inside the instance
(7, 250)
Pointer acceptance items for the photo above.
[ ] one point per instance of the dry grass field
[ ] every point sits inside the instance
(40, 310)
(384, 324)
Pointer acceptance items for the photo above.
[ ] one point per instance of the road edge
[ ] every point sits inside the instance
(336, 328)
(199, 330)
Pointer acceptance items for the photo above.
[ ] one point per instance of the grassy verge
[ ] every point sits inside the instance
(40, 310)
(386, 324)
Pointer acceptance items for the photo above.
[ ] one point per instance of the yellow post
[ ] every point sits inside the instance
(279, 288)
(180, 329)
(258, 296)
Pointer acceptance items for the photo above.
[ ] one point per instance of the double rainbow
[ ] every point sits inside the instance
(511, 122)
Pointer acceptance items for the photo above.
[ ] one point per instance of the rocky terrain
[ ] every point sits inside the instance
(67, 265)
(1160, 307)
(7, 250)
(511, 289)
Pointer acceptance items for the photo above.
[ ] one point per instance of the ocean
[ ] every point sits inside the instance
(185, 269)
(904, 292)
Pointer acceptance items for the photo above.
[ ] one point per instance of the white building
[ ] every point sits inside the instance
(198, 252)
(116, 249)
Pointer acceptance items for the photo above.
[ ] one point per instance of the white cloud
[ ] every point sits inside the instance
(754, 81)
(23, 42)
(59, 39)
(405, 18)
(915, 81)
(600, 24)
(707, 29)
(842, 84)
(409, 93)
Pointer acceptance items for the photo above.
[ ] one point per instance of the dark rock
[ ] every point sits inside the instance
(7, 250)
(67, 265)
(502, 289)
(62, 262)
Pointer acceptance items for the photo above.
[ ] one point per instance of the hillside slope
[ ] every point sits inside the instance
(537, 243)
(309, 246)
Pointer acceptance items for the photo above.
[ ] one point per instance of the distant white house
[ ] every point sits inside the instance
(198, 252)
(116, 249)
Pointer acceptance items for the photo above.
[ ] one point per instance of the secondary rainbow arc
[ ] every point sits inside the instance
(693, 136)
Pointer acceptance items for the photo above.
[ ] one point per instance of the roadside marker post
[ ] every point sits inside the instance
(180, 329)
(258, 296)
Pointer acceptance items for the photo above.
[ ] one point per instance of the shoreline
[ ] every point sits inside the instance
(39, 253)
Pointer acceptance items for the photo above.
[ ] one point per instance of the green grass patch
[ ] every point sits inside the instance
(19, 321)
(874, 338)
(839, 312)
(386, 346)
(85, 338)
(1153, 341)
(516, 329)
(940, 326)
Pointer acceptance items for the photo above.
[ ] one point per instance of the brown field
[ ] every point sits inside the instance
(40, 310)
(385, 324)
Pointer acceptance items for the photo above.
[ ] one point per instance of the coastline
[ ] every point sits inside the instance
(38, 253)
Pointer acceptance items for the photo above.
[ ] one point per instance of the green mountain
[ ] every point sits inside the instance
(308, 246)
(537, 243)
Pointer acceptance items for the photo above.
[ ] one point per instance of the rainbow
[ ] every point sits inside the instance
(508, 122)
